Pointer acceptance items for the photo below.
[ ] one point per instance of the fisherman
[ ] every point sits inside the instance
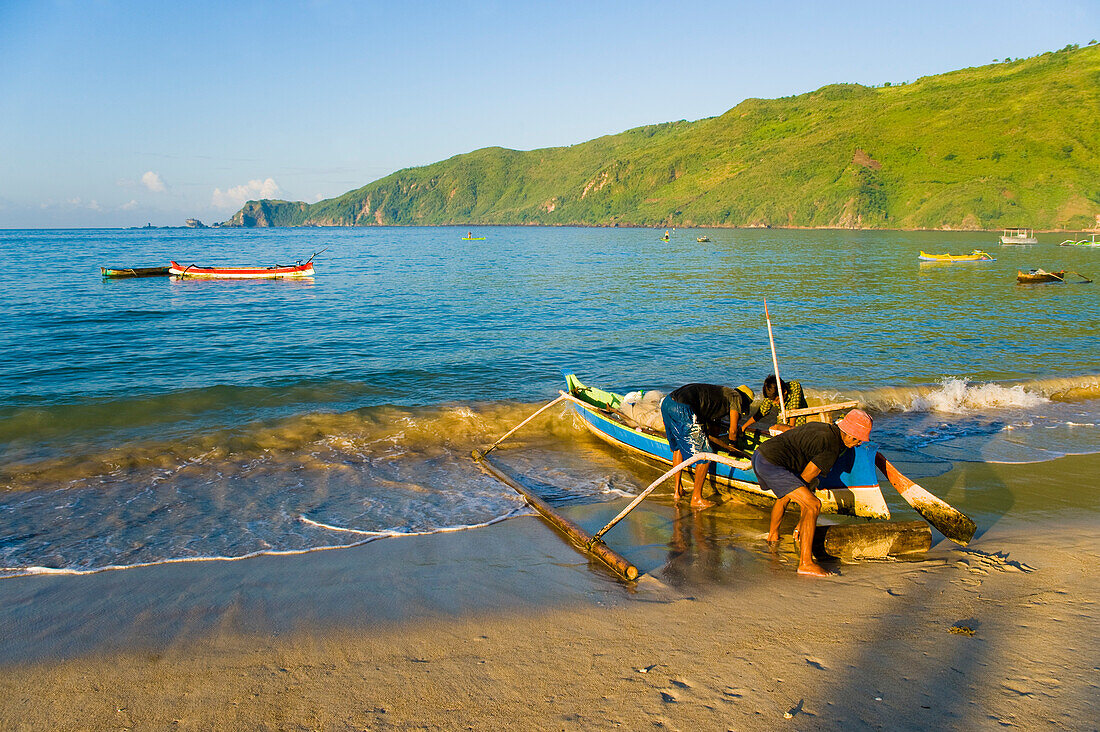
(793, 397)
(788, 465)
(692, 412)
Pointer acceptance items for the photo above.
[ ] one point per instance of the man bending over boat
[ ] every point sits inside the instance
(691, 413)
(789, 464)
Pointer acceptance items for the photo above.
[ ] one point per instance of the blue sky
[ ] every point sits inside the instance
(118, 113)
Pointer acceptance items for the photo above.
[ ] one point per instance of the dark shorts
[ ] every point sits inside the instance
(779, 481)
(682, 429)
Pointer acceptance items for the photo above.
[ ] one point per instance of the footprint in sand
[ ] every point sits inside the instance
(816, 664)
(680, 684)
(668, 698)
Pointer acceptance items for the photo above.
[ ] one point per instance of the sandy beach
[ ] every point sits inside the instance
(508, 627)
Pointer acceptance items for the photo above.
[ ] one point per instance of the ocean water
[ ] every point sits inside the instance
(155, 420)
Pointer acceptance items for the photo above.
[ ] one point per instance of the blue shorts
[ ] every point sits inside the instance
(779, 481)
(682, 429)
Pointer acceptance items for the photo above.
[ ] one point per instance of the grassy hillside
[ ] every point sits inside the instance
(1008, 144)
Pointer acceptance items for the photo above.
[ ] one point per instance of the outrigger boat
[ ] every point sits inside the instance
(117, 273)
(1018, 236)
(975, 256)
(1081, 242)
(274, 272)
(851, 487)
(1041, 275)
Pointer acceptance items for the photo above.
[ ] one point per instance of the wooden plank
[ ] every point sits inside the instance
(875, 540)
(821, 409)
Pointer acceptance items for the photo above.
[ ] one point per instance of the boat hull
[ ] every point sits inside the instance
(1028, 278)
(850, 488)
(241, 273)
(119, 273)
(979, 257)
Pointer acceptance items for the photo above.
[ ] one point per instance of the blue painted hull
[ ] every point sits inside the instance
(851, 487)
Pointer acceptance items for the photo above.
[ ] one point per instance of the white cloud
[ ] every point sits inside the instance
(253, 190)
(78, 202)
(153, 182)
(129, 206)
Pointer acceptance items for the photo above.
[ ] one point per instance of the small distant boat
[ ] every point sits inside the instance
(1018, 236)
(118, 273)
(1081, 242)
(702, 238)
(275, 272)
(1041, 275)
(473, 238)
(975, 256)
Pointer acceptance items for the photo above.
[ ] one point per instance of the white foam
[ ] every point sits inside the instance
(958, 396)
(9, 572)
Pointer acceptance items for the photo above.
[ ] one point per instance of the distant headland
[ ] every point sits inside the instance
(1012, 143)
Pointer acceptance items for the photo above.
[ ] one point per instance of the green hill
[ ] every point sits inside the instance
(1008, 144)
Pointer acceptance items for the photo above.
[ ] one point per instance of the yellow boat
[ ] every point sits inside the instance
(975, 256)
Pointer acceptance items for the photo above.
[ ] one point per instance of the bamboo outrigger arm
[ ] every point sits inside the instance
(707, 457)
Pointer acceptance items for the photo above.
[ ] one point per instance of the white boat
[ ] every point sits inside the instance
(1082, 242)
(1018, 236)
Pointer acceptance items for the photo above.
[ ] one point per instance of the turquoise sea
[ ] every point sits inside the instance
(154, 420)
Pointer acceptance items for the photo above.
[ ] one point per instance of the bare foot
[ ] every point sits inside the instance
(773, 538)
(813, 569)
(700, 503)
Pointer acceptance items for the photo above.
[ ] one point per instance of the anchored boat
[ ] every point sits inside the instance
(1018, 236)
(274, 272)
(851, 487)
(975, 256)
(1041, 275)
(1082, 242)
(118, 273)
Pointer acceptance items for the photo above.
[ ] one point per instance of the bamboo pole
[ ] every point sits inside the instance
(708, 457)
(509, 432)
(775, 365)
(580, 538)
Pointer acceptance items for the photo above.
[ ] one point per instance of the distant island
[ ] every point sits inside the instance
(1013, 143)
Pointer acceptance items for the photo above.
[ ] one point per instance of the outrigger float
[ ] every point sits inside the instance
(851, 487)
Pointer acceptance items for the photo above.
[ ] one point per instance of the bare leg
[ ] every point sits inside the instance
(697, 500)
(807, 523)
(678, 486)
(777, 517)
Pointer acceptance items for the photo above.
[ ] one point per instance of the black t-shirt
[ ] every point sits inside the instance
(819, 443)
(710, 402)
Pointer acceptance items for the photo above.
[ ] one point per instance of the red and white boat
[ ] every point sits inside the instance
(275, 272)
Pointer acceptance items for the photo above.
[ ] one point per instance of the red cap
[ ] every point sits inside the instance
(856, 423)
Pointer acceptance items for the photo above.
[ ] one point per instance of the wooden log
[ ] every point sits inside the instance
(577, 536)
(876, 540)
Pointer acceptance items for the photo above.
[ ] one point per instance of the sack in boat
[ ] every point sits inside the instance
(644, 407)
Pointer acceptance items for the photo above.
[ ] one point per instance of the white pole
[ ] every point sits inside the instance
(775, 365)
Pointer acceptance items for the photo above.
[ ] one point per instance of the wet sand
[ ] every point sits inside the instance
(508, 627)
